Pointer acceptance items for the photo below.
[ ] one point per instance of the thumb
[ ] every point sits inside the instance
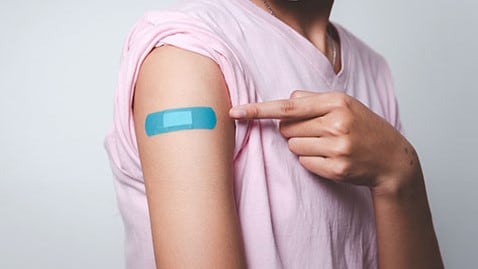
(301, 93)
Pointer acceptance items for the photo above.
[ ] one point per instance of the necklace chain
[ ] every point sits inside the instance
(329, 38)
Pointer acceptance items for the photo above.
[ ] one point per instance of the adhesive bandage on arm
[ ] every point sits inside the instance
(177, 119)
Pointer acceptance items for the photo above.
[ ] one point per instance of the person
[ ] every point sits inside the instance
(305, 166)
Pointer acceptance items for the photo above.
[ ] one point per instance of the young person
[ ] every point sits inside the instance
(322, 178)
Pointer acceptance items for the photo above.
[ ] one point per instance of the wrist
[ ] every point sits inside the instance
(404, 178)
(400, 191)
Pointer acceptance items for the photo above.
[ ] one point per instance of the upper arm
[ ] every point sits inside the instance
(188, 173)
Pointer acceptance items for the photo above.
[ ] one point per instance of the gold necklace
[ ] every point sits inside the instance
(329, 38)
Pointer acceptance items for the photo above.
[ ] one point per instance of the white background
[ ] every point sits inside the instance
(58, 68)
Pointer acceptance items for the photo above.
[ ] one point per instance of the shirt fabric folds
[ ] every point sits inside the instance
(290, 218)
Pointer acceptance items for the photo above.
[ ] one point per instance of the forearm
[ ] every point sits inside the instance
(405, 233)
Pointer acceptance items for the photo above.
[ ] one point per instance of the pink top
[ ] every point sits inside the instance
(290, 218)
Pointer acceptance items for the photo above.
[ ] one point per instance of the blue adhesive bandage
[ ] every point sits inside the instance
(176, 119)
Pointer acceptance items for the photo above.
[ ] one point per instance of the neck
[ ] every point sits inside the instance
(309, 18)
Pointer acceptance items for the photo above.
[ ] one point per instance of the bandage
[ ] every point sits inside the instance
(177, 119)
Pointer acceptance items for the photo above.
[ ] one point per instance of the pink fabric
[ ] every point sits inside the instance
(290, 218)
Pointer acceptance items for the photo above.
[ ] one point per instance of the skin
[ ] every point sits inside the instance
(192, 211)
(188, 174)
(307, 17)
(327, 131)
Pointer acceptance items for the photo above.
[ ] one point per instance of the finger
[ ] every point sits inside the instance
(301, 93)
(316, 146)
(330, 168)
(296, 108)
(304, 128)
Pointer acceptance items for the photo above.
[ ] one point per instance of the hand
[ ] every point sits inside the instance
(339, 138)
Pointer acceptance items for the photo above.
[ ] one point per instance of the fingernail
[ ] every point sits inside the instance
(237, 113)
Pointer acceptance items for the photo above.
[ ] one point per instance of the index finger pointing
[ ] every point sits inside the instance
(295, 108)
(277, 109)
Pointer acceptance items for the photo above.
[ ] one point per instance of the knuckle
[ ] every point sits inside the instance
(287, 107)
(284, 129)
(342, 169)
(254, 112)
(343, 100)
(341, 126)
(344, 147)
(295, 93)
(347, 100)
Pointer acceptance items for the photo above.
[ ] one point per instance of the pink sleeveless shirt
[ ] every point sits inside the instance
(289, 217)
